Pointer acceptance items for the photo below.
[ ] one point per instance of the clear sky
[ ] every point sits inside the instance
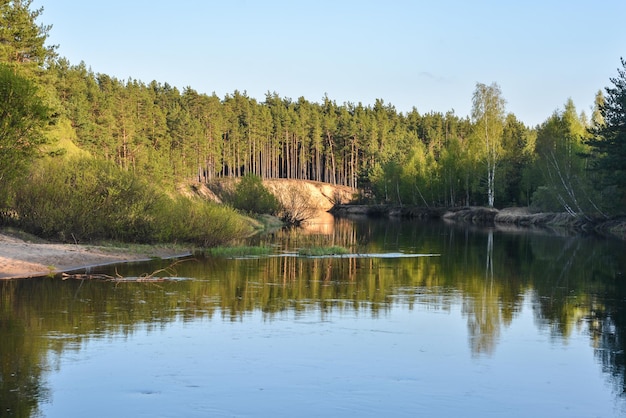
(423, 54)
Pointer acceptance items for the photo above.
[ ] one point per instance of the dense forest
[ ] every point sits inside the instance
(55, 113)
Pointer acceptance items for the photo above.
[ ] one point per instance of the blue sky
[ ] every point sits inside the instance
(423, 54)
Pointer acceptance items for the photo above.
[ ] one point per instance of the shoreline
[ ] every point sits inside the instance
(517, 216)
(22, 259)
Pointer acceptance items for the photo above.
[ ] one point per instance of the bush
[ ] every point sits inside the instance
(206, 224)
(251, 196)
(84, 199)
(239, 251)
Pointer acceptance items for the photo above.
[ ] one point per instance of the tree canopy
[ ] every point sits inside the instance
(22, 40)
(22, 119)
(488, 114)
(166, 136)
(609, 138)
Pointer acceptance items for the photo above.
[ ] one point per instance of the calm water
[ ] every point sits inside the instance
(468, 322)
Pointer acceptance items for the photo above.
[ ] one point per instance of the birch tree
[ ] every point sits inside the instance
(561, 152)
(488, 116)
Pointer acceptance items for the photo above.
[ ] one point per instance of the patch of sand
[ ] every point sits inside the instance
(22, 259)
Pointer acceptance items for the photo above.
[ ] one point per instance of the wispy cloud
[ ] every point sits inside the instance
(434, 77)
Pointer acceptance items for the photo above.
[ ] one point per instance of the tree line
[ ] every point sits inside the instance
(430, 159)
(156, 131)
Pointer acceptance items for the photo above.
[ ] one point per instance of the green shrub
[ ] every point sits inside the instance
(199, 222)
(238, 251)
(84, 199)
(251, 196)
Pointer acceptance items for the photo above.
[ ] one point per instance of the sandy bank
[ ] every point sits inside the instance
(23, 259)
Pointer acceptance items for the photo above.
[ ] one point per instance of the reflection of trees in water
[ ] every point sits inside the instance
(484, 265)
(76, 311)
(607, 327)
(573, 281)
(483, 308)
(495, 271)
(608, 343)
(277, 284)
(487, 273)
(326, 232)
(578, 282)
(23, 359)
(561, 283)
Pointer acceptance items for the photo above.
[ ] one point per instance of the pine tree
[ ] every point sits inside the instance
(22, 40)
(609, 140)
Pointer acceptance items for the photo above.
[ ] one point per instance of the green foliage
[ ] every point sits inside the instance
(322, 251)
(86, 199)
(251, 196)
(22, 40)
(167, 136)
(22, 120)
(518, 149)
(488, 114)
(562, 158)
(609, 143)
(82, 199)
(62, 141)
(199, 222)
(545, 200)
(238, 251)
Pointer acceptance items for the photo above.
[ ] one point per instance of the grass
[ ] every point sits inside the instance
(155, 251)
(238, 251)
(322, 251)
(24, 236)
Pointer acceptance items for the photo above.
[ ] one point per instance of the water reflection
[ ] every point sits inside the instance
(572, 282)
(23, 360)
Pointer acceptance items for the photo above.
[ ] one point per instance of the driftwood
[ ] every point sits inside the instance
(170, 275)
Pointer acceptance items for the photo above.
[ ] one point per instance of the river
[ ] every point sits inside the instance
(420, 319)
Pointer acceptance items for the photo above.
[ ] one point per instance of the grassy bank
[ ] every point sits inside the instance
(82, 200)
(238, 251)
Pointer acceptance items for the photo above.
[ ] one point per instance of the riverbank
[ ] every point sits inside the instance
(25, 257)
(521, 217)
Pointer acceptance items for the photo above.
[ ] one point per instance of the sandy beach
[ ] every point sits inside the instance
(23, 259)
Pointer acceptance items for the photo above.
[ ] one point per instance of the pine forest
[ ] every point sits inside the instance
(57, 116)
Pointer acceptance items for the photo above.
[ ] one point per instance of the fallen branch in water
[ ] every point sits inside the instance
(170, 270)
(79, 276)
(146, 277)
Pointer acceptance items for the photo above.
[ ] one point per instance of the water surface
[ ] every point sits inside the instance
(490, 323)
